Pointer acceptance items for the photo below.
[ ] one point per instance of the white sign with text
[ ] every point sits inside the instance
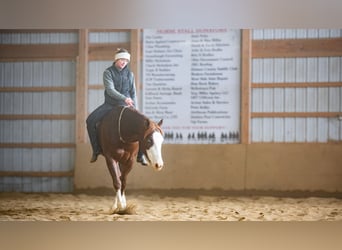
(191, 79)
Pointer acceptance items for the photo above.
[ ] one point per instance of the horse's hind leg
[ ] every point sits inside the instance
(119, 200)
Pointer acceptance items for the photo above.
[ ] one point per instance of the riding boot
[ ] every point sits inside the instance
(94, 157)
(96, 152)
(142, 159)
(95, 147)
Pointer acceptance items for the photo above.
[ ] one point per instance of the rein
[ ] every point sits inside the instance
(149, 131)
(119, 124)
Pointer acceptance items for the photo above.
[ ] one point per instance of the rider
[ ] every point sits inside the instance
(120, 90)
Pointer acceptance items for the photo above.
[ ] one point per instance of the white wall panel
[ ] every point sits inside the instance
(300, 100)
(279, 100)
(335, 69)
(290, 34)
(301, 33)
(37, 74)
(279, 129)
(334, 129)
(300, 129)
(109, 37)
(322, 129)
(256, 129)
(268, 129)
(290, 129)
(35, 159)
(299, 70)
(290, 100)
(312, 99)
(36, 131)
(96, 69)
(279, 34)
(279, 70)
(259, 34)
(324, 33)
(323, 102)
(312, 33)
(95, 99)
(334, 99)
(95, 77)
(257, 66)
(39, 38)
(257, 103)
(268, 34)
(37, 103)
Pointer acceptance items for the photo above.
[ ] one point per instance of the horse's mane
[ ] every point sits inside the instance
(150, 125)
(138, 112)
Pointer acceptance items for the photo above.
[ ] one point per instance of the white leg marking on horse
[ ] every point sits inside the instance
(115, 205)
(123, 199)
(119, 202)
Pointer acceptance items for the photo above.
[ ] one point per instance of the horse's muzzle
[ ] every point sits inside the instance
(158, 167)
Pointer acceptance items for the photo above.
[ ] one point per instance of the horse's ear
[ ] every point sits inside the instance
(160, 123)
(147, 123)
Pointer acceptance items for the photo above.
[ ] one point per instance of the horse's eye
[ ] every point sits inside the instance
(149, 142)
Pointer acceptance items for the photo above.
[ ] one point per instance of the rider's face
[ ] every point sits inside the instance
(121, 63)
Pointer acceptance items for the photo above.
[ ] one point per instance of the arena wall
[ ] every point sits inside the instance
(291, 110)
(261, 167)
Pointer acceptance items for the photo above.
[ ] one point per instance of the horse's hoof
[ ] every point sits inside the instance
(114, 210)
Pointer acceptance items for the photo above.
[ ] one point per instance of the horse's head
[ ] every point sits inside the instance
(152, 143)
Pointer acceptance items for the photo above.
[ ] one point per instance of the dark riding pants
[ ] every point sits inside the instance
(92, 120)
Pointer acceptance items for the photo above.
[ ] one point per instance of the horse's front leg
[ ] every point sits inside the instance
(119, 199)
(124, 169)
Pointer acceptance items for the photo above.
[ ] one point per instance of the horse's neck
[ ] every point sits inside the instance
(133, 125)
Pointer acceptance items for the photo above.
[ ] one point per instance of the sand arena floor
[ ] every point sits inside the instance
(152, 206)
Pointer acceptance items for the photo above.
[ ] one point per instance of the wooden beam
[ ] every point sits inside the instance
(109, 30)
(36, 174)
(135, 60)
(37, 31)
(297, 48)
(38, 51)
(38, 89)
(297, 85)
(105, 51)
(81, 87)
(37, 145)
(296, 114)
(96, 86)
(245, 86)
(37, 117)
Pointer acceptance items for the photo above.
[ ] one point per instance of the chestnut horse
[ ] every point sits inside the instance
(121, 132)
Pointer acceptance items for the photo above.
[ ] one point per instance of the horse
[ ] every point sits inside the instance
(121, 133)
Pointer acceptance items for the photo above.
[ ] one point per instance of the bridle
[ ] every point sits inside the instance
(148, 133)
(119, 127)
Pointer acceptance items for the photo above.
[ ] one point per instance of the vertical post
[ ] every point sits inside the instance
(246, 86)
(136, 60)
(82, 87)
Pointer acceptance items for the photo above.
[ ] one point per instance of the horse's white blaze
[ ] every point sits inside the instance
(154, 152)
